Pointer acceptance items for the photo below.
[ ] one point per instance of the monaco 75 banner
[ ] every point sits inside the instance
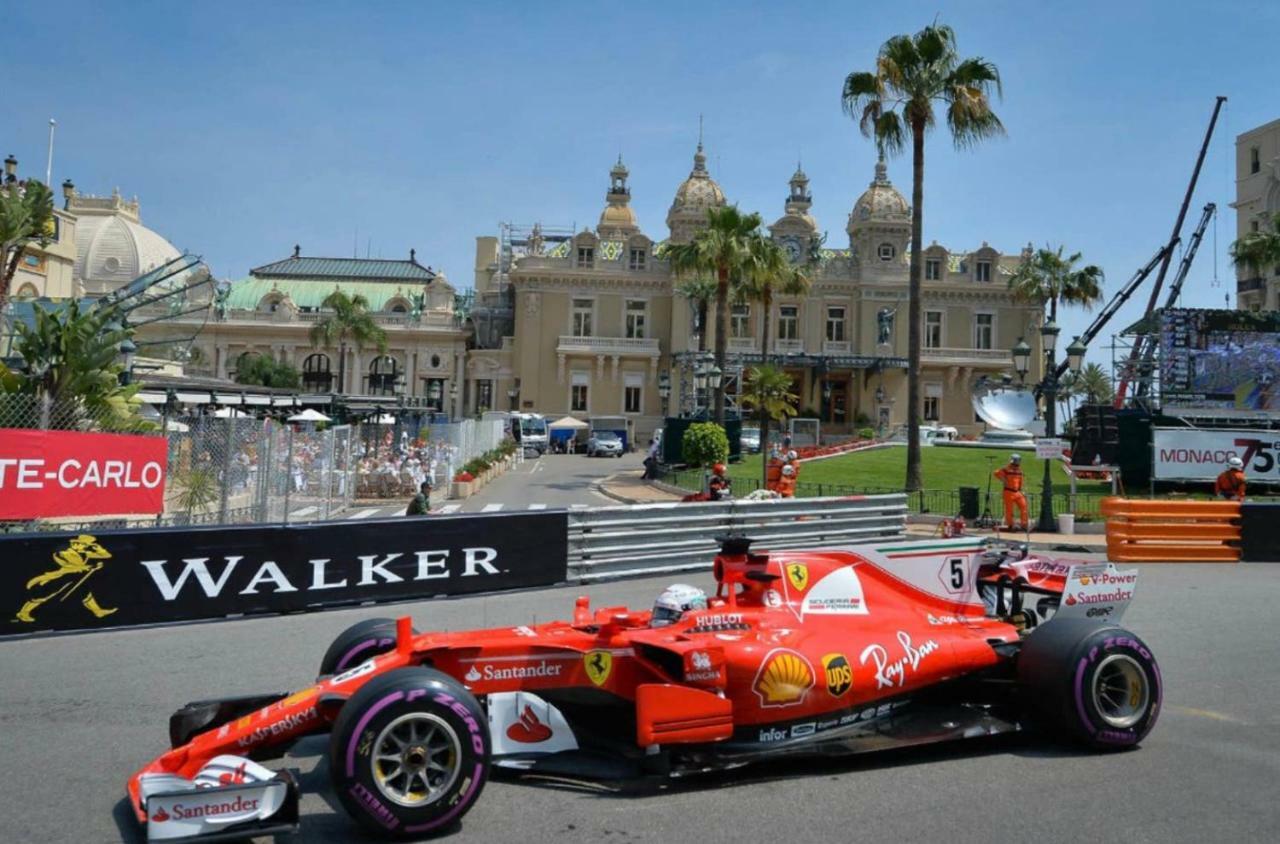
(47, 474)
(1187, 454)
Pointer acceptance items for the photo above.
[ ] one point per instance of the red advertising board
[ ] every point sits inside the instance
(47, 474)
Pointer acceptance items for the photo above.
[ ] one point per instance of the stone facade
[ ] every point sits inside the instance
(1257, 199)
(597, 319)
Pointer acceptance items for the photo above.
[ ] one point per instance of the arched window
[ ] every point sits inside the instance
(240, 362)
(382, 376)
(316, 376)
(270, 303)
(27, 291)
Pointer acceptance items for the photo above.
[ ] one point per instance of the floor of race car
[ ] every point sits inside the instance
(80, 713)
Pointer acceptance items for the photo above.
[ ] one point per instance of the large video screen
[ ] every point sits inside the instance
(1220, 360)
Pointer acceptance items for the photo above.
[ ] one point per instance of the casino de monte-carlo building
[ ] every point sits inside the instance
(586, 323)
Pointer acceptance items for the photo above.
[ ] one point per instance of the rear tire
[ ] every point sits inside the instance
(409, 753)
(359, 642)
(1099, 686)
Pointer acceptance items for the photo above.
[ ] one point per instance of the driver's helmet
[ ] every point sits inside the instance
(674, 602)
(1015, 458)
(792, 456)
(789, 470)
(1235, 462)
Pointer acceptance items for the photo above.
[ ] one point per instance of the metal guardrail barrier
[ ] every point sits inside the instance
(610, 542)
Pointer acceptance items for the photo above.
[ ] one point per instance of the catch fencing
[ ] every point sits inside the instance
(229, 467)
(611, 542)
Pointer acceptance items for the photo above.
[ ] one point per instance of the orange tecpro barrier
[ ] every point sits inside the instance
(1142, 531)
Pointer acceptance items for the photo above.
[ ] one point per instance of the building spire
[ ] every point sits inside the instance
(882, 171)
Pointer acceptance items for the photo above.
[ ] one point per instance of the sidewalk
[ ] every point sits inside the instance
(1093, 543)
(628, 488)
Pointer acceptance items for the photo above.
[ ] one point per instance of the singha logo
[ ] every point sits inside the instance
(73, 565)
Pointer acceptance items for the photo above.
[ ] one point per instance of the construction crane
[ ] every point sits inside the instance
(1138, 348)
(1147, 342)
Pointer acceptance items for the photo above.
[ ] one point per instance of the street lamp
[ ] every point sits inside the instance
(1049, 389)
(1021, 358)
(512, 392)
(664, 390)
(68, 191)
(453, 400)
(714, 377)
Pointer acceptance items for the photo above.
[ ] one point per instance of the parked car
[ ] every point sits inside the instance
(749, 440)
(604, 444)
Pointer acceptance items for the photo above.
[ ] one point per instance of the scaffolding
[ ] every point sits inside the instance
(492, 314)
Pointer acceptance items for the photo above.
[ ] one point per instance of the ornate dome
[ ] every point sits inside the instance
(881, 201)
(112, 246)
(616, 217)
(698, 192)
(694, 197)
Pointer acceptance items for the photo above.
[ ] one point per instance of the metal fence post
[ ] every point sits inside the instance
(226, 468)
(288, 475)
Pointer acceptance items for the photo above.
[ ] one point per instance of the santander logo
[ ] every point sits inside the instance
(472, 675)
(528, 730)
(160, 816)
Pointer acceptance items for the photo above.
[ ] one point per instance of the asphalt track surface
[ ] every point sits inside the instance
(79, 713)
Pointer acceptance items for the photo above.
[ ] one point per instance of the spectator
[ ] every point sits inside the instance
(421, 503)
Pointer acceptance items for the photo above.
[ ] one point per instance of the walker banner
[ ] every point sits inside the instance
(1185, 454)
(127, 577)
(46, 474)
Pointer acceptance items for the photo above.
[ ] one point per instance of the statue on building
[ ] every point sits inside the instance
(884, 325)
(417, 303)
(535, 240)
(221, 293)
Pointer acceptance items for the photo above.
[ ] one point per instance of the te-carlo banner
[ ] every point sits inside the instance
(129, 577)
(47, 474)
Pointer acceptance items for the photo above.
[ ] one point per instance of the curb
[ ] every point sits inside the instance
(601, 486)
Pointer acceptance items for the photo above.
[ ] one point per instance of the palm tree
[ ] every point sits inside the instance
(769, 271)
(26, 217)
(722, 249)
(1049, 277)
(1094, 384)
(913, 72)
(349, 319)
(699, 291)
(1258, 251)
(71, 359)
(768, 390)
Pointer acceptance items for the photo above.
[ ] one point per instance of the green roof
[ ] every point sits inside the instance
(247, 293)
(330, 268)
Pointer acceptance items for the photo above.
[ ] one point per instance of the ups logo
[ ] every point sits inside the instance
(837, 673)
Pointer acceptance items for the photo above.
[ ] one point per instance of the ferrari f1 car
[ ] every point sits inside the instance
(797, 652)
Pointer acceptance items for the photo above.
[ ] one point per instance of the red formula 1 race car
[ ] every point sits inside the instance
(796, 652)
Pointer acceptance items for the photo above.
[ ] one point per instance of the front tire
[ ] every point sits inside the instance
(409, 753)
(357, 643)
(1099, 686)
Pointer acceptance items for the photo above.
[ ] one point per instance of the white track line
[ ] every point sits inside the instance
(305, 511)
(449, 508)
(491, 508)
(364, 514)
(579, 506)
(537, 506)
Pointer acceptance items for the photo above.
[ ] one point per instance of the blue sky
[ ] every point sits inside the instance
(246, 128)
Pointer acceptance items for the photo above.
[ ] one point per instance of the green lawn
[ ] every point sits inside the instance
(944, 468)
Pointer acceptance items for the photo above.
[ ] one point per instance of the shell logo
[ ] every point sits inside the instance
(784, 678)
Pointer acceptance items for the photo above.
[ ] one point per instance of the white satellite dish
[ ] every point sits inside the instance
(1004, 406)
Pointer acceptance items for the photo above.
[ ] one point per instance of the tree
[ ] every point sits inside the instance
(722, 249)
(769, 271)
(704, 444)
(1258, 251)
(26, 217)
(768, 390)
(265, 371)
(71, 361)
(896, 101)
(699, 291)
(1094, 384)
(1047, 278)
(348, 320)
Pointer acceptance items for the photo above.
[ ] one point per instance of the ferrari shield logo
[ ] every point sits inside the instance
(798, 576)
(598, 664)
